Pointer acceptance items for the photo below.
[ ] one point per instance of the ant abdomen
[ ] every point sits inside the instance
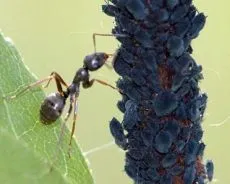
(51, 108)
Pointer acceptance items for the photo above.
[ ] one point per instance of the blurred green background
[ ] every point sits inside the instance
(56, 35)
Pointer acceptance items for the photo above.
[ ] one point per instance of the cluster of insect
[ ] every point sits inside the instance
(53, 105)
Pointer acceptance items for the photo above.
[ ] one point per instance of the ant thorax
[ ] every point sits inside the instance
(81, 75)
(73, 88)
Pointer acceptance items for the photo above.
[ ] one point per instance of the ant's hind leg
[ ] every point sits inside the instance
(30, 86)
(73, 125)
(59, 81)
(61, 134)
(70, 109)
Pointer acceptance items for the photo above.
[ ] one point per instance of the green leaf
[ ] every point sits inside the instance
(29, 148)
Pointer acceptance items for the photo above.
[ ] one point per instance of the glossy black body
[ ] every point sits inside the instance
(53, 105)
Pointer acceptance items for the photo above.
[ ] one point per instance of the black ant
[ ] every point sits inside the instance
(53, 105)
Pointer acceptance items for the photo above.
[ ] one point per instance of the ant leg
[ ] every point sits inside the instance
(59, 81)
(59, 78)
(48, 83)
(54, 75)
(91, 82)
(74, 124)
(30, 86)
(101, 34)
(70, 109)
(60, 139)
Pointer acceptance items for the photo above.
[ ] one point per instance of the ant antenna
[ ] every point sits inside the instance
(101, 34)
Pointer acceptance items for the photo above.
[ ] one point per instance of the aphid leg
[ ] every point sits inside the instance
(101, 34)
(106, 1)
(30, 86)
(91, 82)
(73, 125)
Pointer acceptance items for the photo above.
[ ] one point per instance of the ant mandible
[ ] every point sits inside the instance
(53, 105)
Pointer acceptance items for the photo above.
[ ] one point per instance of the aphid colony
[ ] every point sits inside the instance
(162, 104)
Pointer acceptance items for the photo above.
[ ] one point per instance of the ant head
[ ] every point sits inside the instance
(52, 107)
(95, 61)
